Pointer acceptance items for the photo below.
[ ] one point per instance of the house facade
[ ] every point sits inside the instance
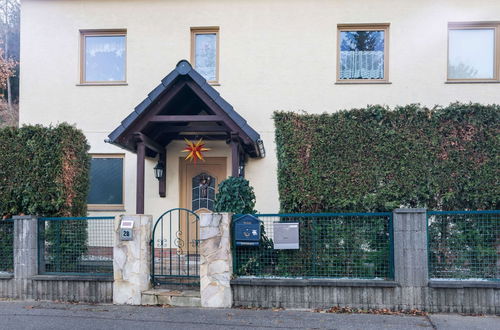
(140, 77)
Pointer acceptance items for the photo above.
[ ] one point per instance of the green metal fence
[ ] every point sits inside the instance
(332, 245)
(78, 246)
(6, 246)
(464, 244)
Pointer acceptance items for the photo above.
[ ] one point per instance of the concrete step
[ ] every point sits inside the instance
(179, 298)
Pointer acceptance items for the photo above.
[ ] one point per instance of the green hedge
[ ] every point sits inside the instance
(44, 171)
(378, 159)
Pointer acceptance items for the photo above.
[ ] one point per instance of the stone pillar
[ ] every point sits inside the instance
(216, 260)
(411, 256)
(25, 254)
(132, 260)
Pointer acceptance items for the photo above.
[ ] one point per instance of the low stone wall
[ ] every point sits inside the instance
(453, 297)
(411, 288)
(26, 284)
(8, 288)
(463, 297)
(58, 288)
(73, 288)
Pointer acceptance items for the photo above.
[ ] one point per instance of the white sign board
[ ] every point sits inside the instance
(128, 224)
(286, 236)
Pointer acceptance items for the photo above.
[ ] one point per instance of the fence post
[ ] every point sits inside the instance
(132, 260)
(216, 260)
(410, 256)
(25, 254)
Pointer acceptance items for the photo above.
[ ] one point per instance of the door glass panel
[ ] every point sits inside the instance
(203, 193)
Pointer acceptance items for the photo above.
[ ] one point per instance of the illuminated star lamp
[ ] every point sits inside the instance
(195, 150)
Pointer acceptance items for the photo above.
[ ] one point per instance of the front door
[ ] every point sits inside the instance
(198, 186)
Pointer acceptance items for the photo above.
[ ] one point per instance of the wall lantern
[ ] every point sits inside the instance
(159, 170)
(262, 150)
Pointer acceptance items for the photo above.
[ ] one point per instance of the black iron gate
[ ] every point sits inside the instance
(174, 248)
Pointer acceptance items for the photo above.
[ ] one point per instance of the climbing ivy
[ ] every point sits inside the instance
(235, 195)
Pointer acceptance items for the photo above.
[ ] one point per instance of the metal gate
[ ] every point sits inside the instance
(174, 248)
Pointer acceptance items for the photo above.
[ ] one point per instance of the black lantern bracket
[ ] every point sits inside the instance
(161, 174)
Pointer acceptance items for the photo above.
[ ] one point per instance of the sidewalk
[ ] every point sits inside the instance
(54, 316)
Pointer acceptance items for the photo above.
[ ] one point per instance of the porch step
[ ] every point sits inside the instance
(179, 298)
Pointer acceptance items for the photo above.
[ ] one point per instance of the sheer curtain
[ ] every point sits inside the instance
(362, 64)
(104, 58)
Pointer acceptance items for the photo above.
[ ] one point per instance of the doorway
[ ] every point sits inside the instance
(198, 185)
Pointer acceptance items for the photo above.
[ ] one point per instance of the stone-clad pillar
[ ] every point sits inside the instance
(411, 256)
(216, 260)
(25, 254)
(132, 260)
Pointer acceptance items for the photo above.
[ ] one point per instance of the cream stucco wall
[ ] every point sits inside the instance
(274, 55)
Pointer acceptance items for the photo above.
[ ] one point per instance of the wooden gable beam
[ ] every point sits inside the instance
(168, 130)
(186, 119)
(235, 154)
(196, 128)
(150, 143)
(141, 123)
(215, 109)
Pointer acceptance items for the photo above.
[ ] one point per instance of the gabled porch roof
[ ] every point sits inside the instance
(183, 105)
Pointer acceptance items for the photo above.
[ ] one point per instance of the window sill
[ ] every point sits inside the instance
(106, 210)
(363, 83)
(103, 84)
(472, 82)
(214, 84)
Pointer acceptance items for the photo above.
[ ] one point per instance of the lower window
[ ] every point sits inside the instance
(106, 182)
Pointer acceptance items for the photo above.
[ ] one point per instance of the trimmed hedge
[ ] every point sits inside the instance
(44, 171)
(378, 159)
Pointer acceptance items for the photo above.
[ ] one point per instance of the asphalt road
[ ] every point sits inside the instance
(54, 316)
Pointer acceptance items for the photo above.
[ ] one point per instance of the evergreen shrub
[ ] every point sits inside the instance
(378, 159)
(44, 171)
(236, 196)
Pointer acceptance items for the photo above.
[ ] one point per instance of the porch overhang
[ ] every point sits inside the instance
(184, 105)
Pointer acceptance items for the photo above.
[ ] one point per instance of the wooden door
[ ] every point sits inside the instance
(198, 186)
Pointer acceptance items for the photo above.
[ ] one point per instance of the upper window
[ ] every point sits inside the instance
(362, 53)
(106, 182)
(205, 52)
(103, 57)
(473, 53)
